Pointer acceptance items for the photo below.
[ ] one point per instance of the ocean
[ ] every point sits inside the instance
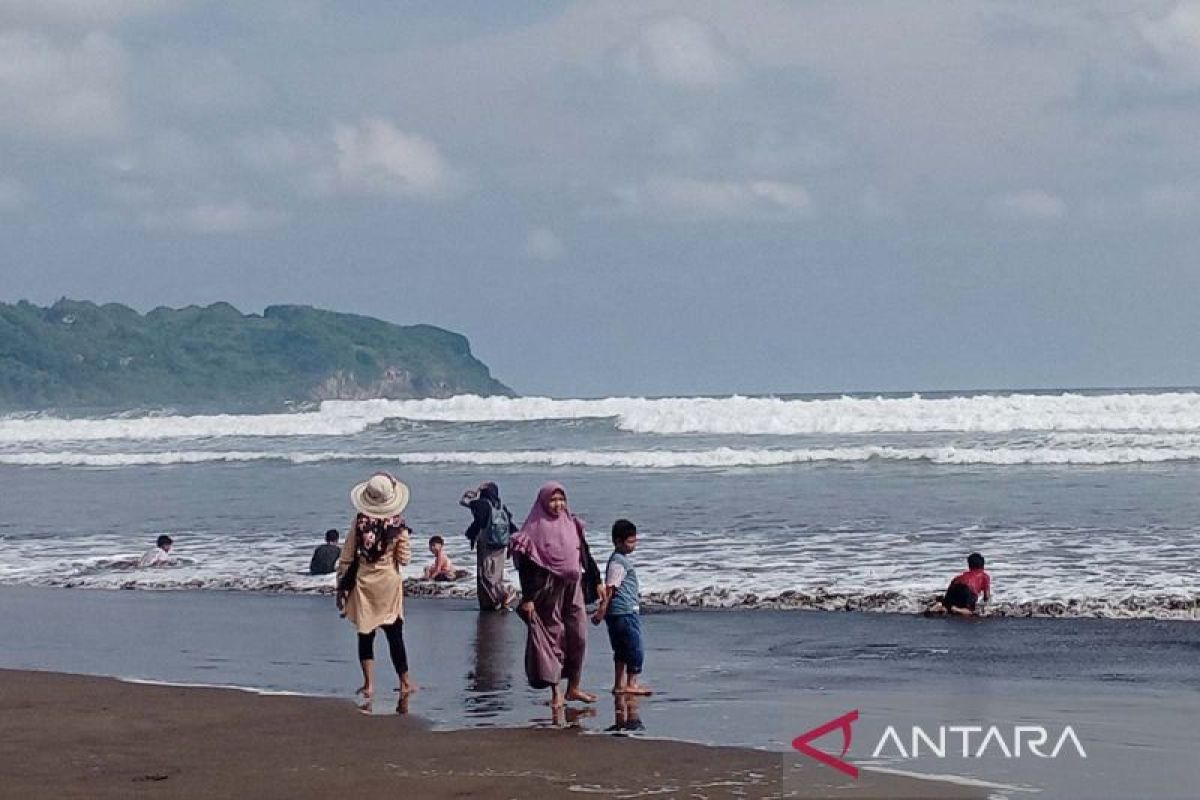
(1085, 504)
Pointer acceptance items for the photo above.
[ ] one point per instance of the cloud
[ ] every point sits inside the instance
(681, 52)
(236, 216)
(374, 157)
(1030, 204)
(72, 92)
(692, 199)
(1166, 201)
(544, 245)
(370, 157)
(81, 13)
(1175, 36)
(13, 195)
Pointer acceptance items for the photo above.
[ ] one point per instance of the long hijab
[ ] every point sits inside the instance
(548, 541)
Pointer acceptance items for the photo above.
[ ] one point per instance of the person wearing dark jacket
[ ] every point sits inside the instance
(557, 573)
(325, 557)
(489, 533)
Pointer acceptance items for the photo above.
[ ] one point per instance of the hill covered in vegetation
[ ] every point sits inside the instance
(82, 354)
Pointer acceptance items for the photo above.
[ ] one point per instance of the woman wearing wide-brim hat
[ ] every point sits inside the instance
(370, 581)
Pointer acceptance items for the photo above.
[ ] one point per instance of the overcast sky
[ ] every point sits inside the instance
(638, 197)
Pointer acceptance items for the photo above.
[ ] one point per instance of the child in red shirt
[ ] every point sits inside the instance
(965, 591)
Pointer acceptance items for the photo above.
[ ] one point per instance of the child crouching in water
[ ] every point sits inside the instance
(967, 592)
(619, 609)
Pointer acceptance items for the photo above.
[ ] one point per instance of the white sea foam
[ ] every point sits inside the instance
(56, 429)
(1179, 411)
(716, 458)
(828, 569)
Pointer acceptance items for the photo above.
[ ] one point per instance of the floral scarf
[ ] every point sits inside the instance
(376, 536)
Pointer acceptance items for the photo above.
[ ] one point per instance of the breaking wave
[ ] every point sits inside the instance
(1172, 606)
(983, 413)
(717, 458)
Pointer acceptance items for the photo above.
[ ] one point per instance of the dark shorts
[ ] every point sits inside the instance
(625, 636)
(959, 595)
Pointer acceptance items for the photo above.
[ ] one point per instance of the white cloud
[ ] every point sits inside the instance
(1031, 204)
(72, 92)
(236, 216)
(689, 198)
(82, 13)
(1175, 34)
(13, 195)
(679, 51)
(374, 157)
(544, 245)
(1171, 201)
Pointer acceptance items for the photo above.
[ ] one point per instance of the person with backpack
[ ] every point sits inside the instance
(489, 533)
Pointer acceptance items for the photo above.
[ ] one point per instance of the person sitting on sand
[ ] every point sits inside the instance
(966, 590)
(442, 568)
(553, 561)
(159, 555)
(619, 609)
(325, 557)
(370, 584)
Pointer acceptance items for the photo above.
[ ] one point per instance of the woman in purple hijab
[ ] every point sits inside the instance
(554, 563)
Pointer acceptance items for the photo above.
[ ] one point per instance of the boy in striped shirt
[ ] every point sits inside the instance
(620, 611)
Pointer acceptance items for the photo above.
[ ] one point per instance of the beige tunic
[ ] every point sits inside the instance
(378, 594)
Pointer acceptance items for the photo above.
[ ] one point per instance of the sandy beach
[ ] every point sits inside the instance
(733, 688)
(69, 736)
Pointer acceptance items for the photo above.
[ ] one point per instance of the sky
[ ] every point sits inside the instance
(625, 198)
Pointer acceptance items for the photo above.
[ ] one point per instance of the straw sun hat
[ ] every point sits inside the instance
(380, 496)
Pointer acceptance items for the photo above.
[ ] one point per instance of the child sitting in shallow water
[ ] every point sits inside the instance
(966, 591)
(620, 611)
(442, 569)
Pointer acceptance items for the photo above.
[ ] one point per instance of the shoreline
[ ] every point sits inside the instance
(1162, 607)
(734, 678)
(71, 736)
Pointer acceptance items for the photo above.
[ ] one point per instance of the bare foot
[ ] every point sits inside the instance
(638, 689)
(556, 698)
(366, 690)
(581, 696)
(406, 687)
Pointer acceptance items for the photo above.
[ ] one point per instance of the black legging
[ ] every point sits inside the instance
(395, 638)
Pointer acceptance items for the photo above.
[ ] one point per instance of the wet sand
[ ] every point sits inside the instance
(756, 679)
(67, 736)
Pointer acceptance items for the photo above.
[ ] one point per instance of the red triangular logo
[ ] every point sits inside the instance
(801, 743)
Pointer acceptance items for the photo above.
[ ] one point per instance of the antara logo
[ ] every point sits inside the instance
(967, 741)
(842, 723)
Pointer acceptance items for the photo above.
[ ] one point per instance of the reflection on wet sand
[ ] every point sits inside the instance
(566, 717)
(627, 717)
(490, 681)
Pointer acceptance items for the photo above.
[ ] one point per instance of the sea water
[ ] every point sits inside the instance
(1084, 503)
